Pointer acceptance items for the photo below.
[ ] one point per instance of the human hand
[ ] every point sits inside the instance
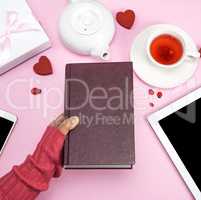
(65, 125)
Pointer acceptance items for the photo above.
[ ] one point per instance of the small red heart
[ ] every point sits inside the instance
(126, 19)
(43, 67)
(200, 52)
(151, 92)
(151, 104)
(159, 94)
(36, 91)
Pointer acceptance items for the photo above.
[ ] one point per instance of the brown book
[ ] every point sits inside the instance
(101, 94)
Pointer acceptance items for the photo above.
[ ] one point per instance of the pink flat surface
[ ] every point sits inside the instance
(154, 176)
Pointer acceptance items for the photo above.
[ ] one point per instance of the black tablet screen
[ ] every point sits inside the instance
(5, 127)
(183, 128)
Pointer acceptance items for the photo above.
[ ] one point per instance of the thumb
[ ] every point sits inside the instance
(68, 125)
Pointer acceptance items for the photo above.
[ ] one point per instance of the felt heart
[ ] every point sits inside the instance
(151, 104)
(36, 91)
(43, 67)
(159, 94)
(126, 19)
(151, 92)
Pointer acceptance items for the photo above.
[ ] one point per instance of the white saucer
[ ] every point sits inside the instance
(154, 75)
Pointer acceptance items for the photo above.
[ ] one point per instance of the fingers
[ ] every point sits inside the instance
(58, 120)
(65, 125)
(68, 125)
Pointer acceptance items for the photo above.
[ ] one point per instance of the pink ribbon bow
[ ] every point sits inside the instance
(13, 26)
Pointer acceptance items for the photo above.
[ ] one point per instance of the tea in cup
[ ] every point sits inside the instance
(169, 49)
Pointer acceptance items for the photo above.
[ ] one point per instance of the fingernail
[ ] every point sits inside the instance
(74, 121)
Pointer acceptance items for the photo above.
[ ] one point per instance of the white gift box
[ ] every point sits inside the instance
(21, 35)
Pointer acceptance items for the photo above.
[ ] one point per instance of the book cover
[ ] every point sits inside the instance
(101, 94)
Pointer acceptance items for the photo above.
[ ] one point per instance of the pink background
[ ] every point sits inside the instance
(154, 176)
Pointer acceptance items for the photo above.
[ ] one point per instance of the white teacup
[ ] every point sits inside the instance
(187, 53)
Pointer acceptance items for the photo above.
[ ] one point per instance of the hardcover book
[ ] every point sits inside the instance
(101, 94)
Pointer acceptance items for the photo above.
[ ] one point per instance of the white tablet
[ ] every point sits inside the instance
(178, 127)
(7, 122)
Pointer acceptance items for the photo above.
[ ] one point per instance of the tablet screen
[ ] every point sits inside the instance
(183, 128)
(5, 127)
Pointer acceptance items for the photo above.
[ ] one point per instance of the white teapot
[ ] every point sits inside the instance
(87, 27)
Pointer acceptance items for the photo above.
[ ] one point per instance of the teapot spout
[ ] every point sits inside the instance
(101, 53)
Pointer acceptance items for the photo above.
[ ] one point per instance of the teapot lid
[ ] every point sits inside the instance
(87, 20)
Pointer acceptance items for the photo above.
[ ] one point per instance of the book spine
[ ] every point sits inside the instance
(67, 112)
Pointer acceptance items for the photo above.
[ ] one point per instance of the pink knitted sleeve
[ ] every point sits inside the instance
(26, 181)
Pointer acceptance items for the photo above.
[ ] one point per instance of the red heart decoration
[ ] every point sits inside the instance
(151, 104)
(151, 92)
(159, 94)
(43, 67)
(126, 19)
(36, 91)
(200, 51)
